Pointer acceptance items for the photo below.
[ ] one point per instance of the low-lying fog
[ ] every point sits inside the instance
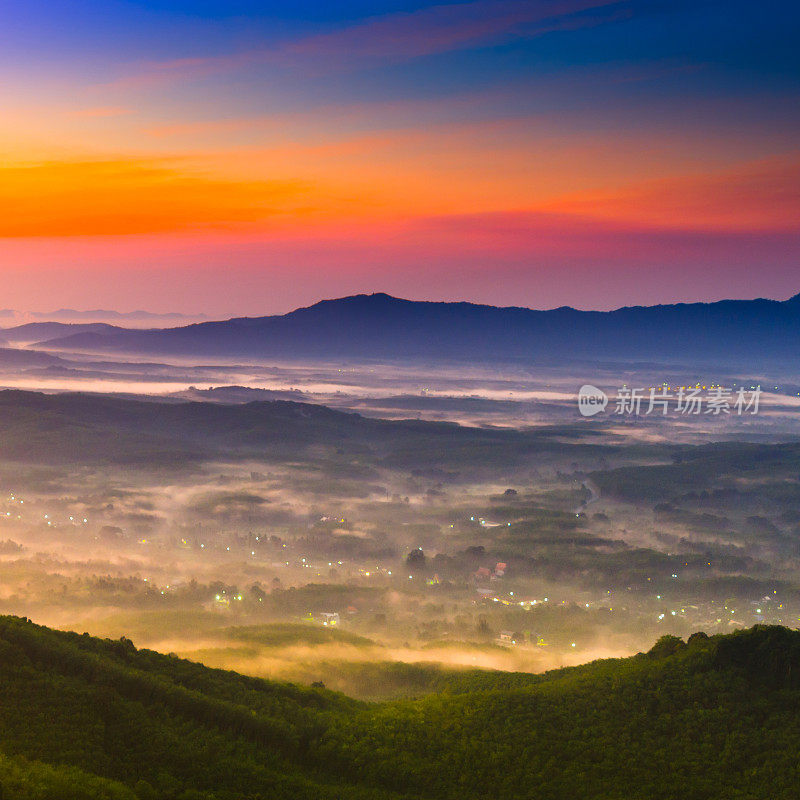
(375, 577)
(478, 394)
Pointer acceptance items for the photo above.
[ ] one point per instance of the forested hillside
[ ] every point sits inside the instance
(714, 717)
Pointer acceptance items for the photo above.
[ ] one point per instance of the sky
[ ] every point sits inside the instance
(234, 157)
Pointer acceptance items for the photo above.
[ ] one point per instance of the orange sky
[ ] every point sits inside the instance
(480, 141)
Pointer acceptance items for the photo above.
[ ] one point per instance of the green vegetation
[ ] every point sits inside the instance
(162, 726)
(280, 633)
(714, 717)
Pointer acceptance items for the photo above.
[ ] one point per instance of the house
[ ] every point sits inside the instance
(329, 618)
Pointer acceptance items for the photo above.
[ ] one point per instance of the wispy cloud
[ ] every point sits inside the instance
(761, 196)
(441, 29)
(101, 111)
(392, 38)
(135, 196)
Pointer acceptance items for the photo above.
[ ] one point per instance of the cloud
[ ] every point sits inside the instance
(440, 29)
(334, 188)
(391, 38)
(101, 111)
(759, 197)
(134, 196)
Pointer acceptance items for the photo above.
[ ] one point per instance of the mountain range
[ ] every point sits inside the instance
(378, 326)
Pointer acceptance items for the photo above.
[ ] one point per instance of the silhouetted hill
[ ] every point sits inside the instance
(380, 326)
(708, 719)
(12, 358)
(82, 428)
(36, 331)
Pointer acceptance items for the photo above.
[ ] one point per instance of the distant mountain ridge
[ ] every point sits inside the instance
(36, 331)
(72, 315)
(379, 326)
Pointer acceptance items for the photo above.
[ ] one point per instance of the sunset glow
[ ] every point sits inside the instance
(251, 157)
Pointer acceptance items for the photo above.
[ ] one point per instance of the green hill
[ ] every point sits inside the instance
(711, 718)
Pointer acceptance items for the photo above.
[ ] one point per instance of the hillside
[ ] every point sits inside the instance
(91, 428)
(380, 326)
(137, 724)
(714, 718)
